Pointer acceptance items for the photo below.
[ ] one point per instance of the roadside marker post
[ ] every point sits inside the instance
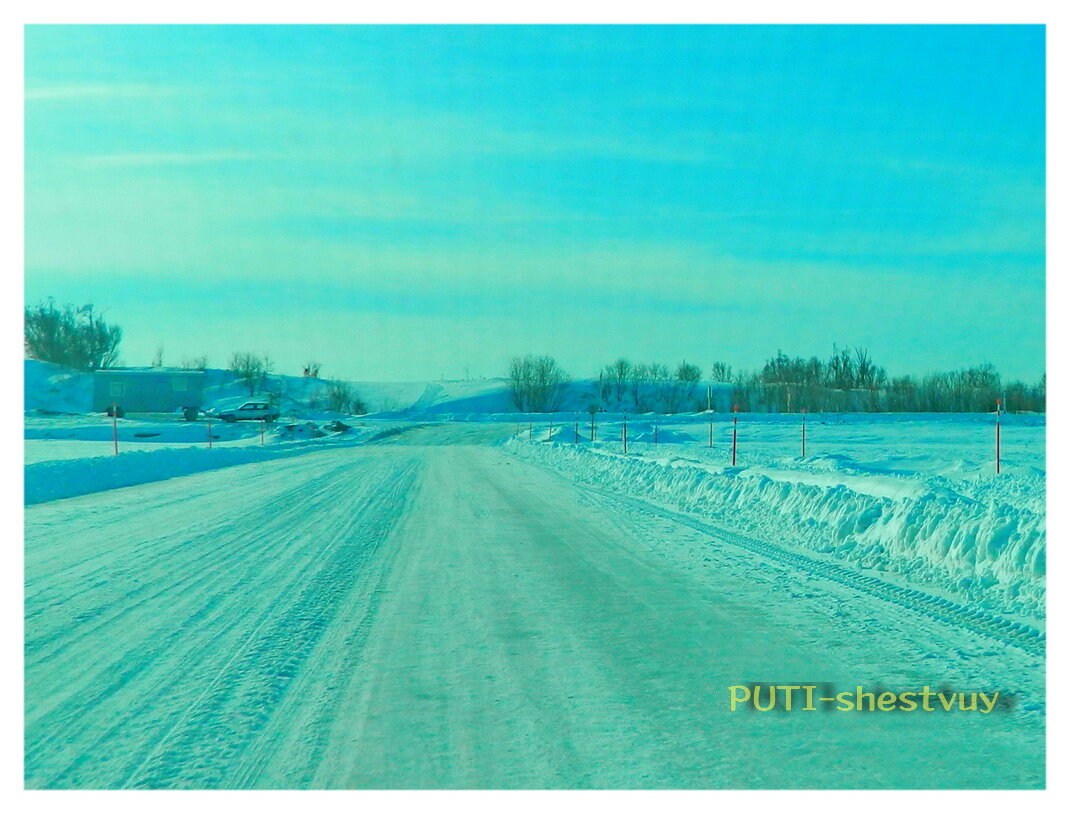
(624, 431)
(999, 404)
(804, 432)
(263, 423)
(655, 431)
(710, 444)
(735, 422)
(550, 432)
(115, 426)
(576, 431)
(531, 429)
(209, 433)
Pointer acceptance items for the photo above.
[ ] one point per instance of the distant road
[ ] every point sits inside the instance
(432, 612)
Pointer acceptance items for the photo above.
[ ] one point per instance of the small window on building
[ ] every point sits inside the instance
(178, 384)
(116, 389)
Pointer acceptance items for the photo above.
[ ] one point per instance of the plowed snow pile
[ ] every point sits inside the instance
(980, 539)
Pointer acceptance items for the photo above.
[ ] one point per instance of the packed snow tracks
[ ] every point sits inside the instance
(427, 611)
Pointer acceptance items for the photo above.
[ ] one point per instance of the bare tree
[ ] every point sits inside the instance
(340, 397)
(70, 336)
(251, 369)
(639, 382)
(685, 378)
(536, 383)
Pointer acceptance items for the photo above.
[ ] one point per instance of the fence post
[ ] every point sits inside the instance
(592, 426)
(710, 444)
(576, 430)
(530, 429)
(115, 426)
(624, 431)
(735, 421)
(550, 432)
(262, 424)
(655, 431)
(209, 433)
(999, 403)
(804, 432)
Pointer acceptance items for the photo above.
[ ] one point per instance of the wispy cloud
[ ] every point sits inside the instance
(100, 91)
(169, 159)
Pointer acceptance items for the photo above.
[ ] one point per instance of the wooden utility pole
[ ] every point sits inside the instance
(735, 422)
(999, 404)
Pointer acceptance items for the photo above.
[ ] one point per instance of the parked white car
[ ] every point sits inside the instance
(249, 411)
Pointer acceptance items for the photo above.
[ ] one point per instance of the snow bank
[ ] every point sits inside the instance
(987, 551)
(52, 388)
(56, 479)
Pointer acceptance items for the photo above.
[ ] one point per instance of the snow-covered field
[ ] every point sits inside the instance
(912, 496)
(443, 597)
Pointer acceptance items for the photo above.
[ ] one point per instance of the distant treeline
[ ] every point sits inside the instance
(848, 381)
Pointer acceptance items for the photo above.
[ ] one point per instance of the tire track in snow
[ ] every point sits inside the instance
(975, 620)
(234, 709)
(217, 561)
(267, 577)
(200, 575)
(206, 603)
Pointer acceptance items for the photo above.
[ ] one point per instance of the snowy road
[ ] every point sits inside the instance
(430, 611)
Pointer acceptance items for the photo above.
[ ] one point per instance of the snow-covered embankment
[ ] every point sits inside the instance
(57, 479)
(986, 551)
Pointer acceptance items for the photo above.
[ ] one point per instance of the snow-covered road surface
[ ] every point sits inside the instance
(431, 612)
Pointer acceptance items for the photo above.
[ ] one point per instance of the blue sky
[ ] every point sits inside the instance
(410, 202)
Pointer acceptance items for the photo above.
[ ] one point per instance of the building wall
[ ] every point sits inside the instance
(147, 392)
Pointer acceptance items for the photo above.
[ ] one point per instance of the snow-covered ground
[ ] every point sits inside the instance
(426, 611)
(67, 456)
(51, 389)
(446, 595)
(912, 496)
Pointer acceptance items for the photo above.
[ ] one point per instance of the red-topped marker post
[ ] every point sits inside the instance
(999, 405)
(735, 423)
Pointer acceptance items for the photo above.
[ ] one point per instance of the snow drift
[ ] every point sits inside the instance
(988, 551)
(57, 479)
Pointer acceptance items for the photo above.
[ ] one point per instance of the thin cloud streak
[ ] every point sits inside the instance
(97, 91)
